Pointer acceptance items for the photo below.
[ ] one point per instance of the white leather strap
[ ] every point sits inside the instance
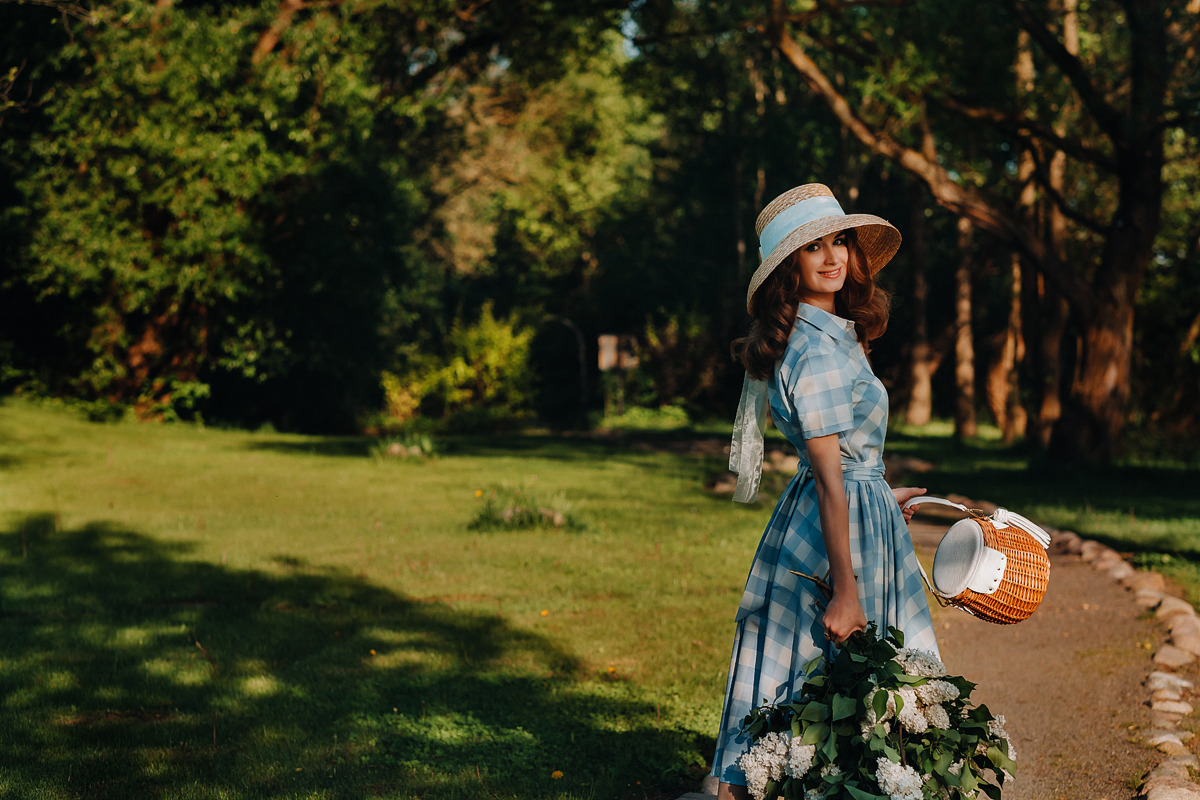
(1001, 517)
(941, 501)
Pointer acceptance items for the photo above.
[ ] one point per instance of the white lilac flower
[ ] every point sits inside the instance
(814, 794)
(937, 717)
(996, 729)
(924, 663)
(898, 781)
(869, 719)
(868, 730)
(765, 761)
(910, 714)
(800, 758)
(937, 692)
(830, 770)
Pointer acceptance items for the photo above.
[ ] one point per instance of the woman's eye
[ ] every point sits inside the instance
(839, 241)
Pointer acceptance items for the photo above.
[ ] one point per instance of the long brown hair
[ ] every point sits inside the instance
(778, 299)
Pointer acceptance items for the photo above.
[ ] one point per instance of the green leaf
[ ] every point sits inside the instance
(829, 748)
(967, 781)
(880, 704)
(843, 707)
(815, 712)
(1001, 760)
(815, 733)
(859, 794)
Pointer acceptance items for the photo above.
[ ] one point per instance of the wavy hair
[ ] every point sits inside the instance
(778, 299)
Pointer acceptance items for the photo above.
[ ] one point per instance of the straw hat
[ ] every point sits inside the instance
(805, 214)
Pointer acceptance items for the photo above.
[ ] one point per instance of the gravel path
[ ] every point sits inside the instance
(1069, 680)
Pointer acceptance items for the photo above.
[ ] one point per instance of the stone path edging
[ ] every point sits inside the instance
(1171, 779)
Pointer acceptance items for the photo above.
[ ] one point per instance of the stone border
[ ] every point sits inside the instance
(1172, 778)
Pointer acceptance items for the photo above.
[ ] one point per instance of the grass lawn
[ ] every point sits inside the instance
(199, 613)
(193, 613)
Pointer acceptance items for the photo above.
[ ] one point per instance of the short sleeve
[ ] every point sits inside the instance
(820, 388)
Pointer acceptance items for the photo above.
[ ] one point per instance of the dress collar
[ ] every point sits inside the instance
(830, 324)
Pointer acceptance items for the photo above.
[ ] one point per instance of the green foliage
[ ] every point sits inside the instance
(850, 715)
(199, 216)
(642, 418)
(482, 376)
(409, 445)
(511, 508)
(544, 167)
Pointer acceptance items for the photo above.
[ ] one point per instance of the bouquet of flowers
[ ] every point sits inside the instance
(877, 721)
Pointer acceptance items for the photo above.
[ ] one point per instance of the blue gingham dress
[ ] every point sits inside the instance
(822, 385)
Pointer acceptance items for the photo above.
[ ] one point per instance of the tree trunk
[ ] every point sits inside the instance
(964, 344)
(1131, 120)
(1052, 308)
(1094, 414)
(920, 399)
(1099, 397)
(1003, 387)
(1047, 322)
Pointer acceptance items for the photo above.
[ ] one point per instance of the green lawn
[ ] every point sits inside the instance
(208, 613)
(192, 613)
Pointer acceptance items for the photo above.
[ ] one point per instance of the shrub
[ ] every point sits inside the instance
(517, 508)
(483, 374)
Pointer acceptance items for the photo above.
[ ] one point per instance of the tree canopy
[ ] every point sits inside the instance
(323, 214)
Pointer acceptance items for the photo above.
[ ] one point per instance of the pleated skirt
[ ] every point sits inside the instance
(778, 625)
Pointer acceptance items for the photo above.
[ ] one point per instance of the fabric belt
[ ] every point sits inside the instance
(852, 472)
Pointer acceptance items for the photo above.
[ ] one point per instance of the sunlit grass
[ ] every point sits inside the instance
(266, 615)
(213, 613)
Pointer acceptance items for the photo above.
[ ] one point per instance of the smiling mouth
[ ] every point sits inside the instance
(832, 273)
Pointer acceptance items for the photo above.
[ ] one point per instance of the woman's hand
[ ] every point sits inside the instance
(843, 615)
(903, 495)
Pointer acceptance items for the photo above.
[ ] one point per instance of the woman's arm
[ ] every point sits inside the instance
(843, 614)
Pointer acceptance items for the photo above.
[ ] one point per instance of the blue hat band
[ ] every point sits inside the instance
(793, 217)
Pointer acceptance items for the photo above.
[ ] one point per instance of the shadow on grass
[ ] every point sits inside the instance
(130, 670)
(630, 449)
(338, 446)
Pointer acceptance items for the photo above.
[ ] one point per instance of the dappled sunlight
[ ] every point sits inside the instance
(149, 669)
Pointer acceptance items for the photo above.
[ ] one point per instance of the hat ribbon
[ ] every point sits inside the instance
(746, 448)
(792, 218)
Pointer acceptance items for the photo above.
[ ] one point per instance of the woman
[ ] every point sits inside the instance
(815, 309)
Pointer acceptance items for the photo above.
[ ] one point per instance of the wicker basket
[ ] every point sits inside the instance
(994, 568)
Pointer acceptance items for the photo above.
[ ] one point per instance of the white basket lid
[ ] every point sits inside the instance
(963, 561)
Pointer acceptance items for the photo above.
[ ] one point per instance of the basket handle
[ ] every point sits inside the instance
(1001, 517)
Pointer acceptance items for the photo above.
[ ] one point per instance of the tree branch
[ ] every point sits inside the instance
(1027, 129)
(963, 200)
(270, 37)
(71, 9)
(1107, 117)
(1047, 185)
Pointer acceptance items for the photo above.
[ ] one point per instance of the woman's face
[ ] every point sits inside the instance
(823, 266)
